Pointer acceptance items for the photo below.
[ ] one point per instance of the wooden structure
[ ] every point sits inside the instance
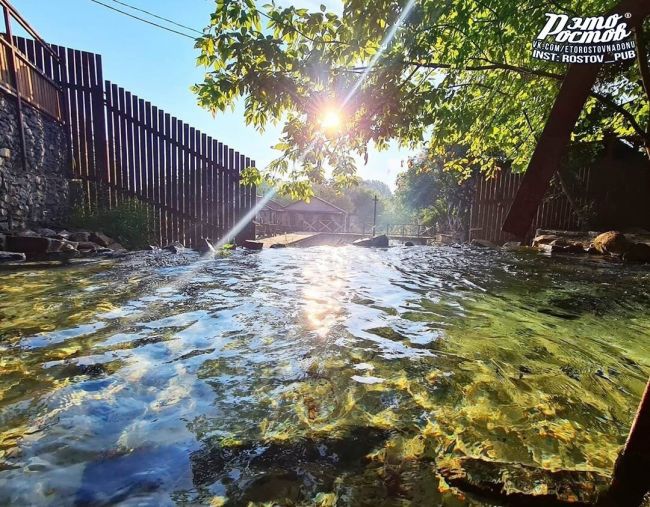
(23, 77)
(125, 147)
(270, 214)
(493, 198)
(317, 215)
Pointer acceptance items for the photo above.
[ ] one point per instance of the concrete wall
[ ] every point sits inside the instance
(38, 195)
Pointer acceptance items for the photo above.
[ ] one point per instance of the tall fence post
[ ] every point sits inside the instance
(13, 70)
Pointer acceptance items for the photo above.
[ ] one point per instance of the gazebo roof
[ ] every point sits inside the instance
(315, 205)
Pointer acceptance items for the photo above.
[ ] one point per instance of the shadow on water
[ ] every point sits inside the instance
(315, 376)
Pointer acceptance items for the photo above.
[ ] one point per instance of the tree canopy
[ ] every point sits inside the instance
(426, 73)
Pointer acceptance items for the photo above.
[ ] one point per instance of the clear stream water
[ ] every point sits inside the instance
(312, 376)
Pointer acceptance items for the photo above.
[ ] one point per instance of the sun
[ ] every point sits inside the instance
(330, 120)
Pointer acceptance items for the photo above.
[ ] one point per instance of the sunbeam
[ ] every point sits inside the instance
(384, 45)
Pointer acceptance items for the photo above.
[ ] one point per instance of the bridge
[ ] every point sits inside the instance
(282, 235)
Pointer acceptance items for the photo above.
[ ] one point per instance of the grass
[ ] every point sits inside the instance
(129, 223)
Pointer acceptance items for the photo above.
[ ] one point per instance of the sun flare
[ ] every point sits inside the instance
(331, 120)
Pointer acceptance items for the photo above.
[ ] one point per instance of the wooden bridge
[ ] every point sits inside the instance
(310, 238)
(282, 234)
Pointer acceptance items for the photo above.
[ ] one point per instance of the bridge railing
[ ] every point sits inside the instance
(396, 230)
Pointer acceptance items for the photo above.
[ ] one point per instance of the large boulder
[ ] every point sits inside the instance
(611, 243)
(376, 242)
(100, 238)
(30, 244)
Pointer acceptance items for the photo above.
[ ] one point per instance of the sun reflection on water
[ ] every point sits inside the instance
(325, 279)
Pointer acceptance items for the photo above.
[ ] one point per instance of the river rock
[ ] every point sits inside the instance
(25, 233)
(638, 252)
(511, 246)
(482, 243)
(252, 245)
(68, 246)
(544, 239)
(117, 247)
(175, 248)
(519, 484)
(45, 232)
(205, 247)
(611, 242)
(11, 256)
(278, 245)
(86, 246)
(28, 244)
(62, 235)
(376, 242)
(79, 236)
(409, 243)
(563, 245)
(100, 238)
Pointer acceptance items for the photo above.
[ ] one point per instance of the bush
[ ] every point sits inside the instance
(129, 223)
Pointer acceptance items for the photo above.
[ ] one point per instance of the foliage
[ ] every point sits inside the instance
(127, 223)
(440, 197)
(455, 73)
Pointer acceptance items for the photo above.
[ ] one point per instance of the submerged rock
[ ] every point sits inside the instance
(376, 242)
(518, 484)
(278, 245)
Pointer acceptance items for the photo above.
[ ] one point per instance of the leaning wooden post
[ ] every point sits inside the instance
(13, 70)
(630, 481)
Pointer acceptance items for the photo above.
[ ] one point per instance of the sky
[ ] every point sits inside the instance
(159, 66)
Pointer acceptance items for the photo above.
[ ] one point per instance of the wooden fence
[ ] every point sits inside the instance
(22, 75)
(125, 147)
(493, 198)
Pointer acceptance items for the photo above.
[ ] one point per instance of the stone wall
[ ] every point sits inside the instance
(38, 195)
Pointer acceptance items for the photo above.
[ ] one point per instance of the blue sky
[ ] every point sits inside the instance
(160, 66)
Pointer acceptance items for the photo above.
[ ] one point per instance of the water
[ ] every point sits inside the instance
(311, 376)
